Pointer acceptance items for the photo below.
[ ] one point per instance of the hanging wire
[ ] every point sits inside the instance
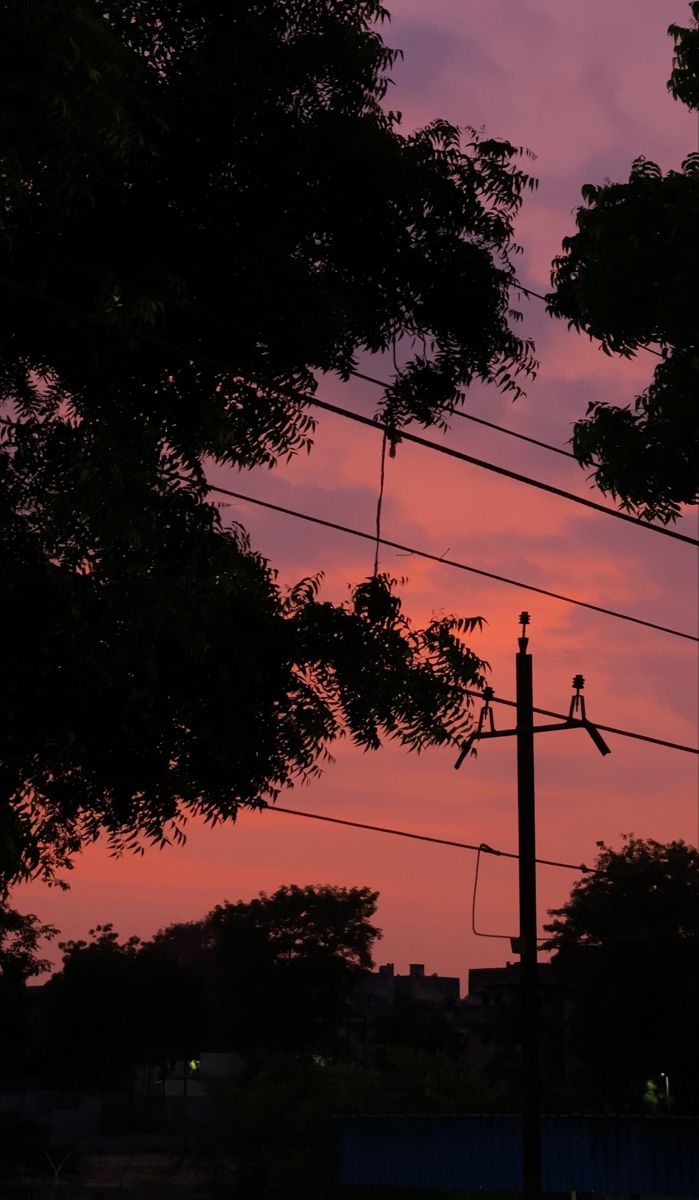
(504, 937)
(379, 501)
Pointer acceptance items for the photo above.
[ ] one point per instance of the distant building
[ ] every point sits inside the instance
(376, 994)
(488, 1017)
(378, 990)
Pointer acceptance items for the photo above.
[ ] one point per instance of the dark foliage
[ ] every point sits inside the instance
(684, 80)
(417, 1025)
(21, 943)
(21, 935)
(23, 1145)
(628, 278)
(92, 1016)
(205, 205)
(627, 945)
(270, 974)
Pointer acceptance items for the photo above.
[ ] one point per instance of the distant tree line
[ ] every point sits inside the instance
(265, 976)
(274, 979)
(278, 974)
(626, 945)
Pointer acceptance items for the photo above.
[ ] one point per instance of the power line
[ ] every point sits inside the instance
(420, 837)
(538, 296)
(500, 937)
(346, 413)
(528, 291)
(403, 435)
(455, 412)
(522, 437)
(450, 562)
(220, 365)
(640, 737)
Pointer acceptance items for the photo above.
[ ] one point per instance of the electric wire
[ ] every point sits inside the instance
(500, 937)
(481, 849)
(522, 437)
(546, 940)
(347, 414)
(640, 737)
(450, 562)
(420, 837)
(461, 456)
(455, 412)
(161, 343)
(538, 296)
(478, 849)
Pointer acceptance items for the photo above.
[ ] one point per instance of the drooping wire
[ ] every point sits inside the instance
(379, 501)
(450, 562)
(481, 848)
(504, 937)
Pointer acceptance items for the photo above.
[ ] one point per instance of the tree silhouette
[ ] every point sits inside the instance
(277, 970)
(418, 1025)
(21, 937)
(206, 206)
(270, 974)
(312, 922)
(627, 946)
(628, 279)
(93, 1014)
(684, 80)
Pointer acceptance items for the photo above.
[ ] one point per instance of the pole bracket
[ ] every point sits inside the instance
(577, 719)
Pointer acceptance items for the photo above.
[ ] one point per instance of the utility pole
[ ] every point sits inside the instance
(527, 942)
(529, 1016)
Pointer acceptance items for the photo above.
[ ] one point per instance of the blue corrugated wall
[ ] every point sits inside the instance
(653, 1156)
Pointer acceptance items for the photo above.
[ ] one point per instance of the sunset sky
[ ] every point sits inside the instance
(583, 85)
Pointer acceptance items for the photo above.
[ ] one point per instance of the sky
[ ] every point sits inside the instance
(582, 86)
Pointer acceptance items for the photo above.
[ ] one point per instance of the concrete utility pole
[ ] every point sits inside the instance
(527, 942)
